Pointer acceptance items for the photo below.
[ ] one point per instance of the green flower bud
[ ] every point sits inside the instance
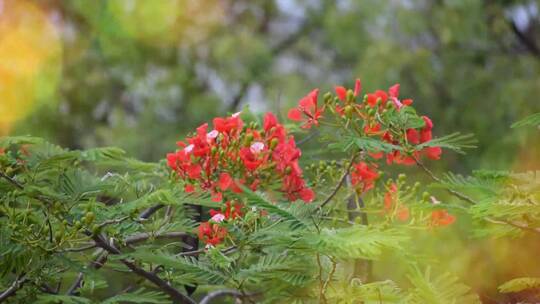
(327, 97)
(348, 110)
(350, 96)
(274, 143)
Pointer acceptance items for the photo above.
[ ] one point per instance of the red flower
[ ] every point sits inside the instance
(307, 195)
(413, 137)
(341, 91)
(211, 233)
(363, 174)
(389, 197)
(250, 159)
(372, 129)
(373, 97)
(433, 152)
(233, 212)
(442, 218)
(307, 106)
(403, 213)
(228, 124)
(194, 171)
(189, 188)
(225, 181)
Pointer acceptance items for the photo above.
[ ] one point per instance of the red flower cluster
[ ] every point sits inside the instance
(363, 176)
(234, 155)
(441, 218)
(368, 116)
(369, 113)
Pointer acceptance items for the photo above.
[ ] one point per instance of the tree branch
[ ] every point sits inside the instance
(526, 41)
(11, 180)
(96, 264)
(175, 295)
(12, 289)
(150, 211)
(341, 181)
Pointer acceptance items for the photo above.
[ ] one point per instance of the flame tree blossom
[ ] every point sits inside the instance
(233, 155)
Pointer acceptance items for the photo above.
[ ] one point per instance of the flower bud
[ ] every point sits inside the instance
(327, 97)
(274, 143)
(350, 96)
(402, 177)
(348, 110)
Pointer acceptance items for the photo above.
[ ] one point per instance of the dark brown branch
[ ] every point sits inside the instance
(225, 293)
(12, 289)
(139, 237)
(525, 40)
(96, 264)
(100, 261)
(150, 211)
(175, 295)
(11, 180)
(340, 183)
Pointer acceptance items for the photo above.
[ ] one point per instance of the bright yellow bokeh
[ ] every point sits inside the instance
(30, 52)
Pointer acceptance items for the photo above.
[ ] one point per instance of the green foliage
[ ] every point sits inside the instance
(454, 141)
(442, 289)
(532, 120)
(520, 284)
(360, 241)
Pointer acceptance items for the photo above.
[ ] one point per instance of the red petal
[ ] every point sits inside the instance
(433, 152)
(413, 137)
(189, 188)
(307, 195)
(217, 197)
(407, 102)
(341, 93)
(429, 123)
(295, 115)
(394, 90)
(225, 181)
(270, 120)
(357, 87)
(403, 214)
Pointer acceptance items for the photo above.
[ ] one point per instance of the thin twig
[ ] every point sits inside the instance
(341, 181)
(113, 221)
(473, 202)
(435, 178)
(80, 249)
(308, 138)
(329, 278)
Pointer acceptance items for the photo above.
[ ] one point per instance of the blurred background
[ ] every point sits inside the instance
(139, 74)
